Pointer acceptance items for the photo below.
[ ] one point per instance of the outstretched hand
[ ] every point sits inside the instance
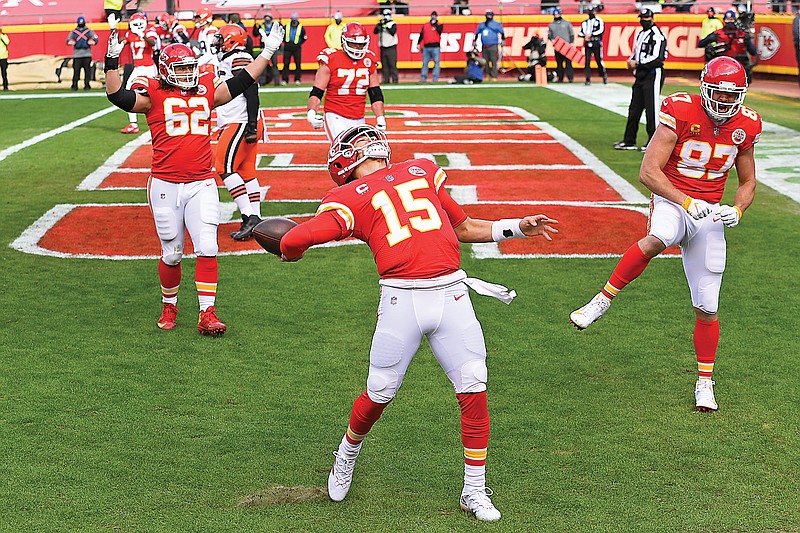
(115, 46)
(538, 225)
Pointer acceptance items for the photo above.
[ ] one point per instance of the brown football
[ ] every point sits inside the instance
(268, 233)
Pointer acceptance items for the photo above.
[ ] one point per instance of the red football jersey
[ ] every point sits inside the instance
(346, 94)
(405, 215)
(141, 51)
(705, 151)
(180, 125)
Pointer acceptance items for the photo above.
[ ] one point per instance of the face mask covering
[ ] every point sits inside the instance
(646, 24)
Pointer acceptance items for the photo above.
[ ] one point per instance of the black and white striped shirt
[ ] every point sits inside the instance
(592, 29)
(650, 49)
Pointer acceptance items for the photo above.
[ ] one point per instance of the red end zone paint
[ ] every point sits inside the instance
(491, 154)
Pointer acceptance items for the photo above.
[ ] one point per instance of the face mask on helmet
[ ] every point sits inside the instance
(723, 87)
(137, 23)
(177, 65)
(229, 37)
(354, 146)
(355, 42)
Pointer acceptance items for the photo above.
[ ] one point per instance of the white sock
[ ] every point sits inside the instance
(348, 449)
(132, 118)
(474, 477)
(235, 185)
(254, 191)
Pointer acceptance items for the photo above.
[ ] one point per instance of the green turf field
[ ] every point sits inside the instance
(107, 423)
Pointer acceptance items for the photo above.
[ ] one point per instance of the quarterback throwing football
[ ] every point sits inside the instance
(413, 227)
(348, 76)
(181, 190)
(698, 140)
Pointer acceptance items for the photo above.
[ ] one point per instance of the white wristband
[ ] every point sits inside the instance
(506, 229)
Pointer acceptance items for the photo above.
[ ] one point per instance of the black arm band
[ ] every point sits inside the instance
(123, 99)
(316, 91)
(111, 63)
(375, 94)
(239, 83)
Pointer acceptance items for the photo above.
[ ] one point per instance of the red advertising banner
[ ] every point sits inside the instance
(773, 36)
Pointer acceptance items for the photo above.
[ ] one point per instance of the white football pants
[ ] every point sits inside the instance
(702, 245)
(336, 124)
(177, 207)
(443, 314)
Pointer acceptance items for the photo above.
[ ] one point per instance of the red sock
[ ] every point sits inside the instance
(474, 427)
(632, 264)
(365, 413)
(170, 278)
(205, 279)
(706, 339)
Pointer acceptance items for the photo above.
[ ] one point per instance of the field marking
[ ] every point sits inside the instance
(52, 133)
(113, 164)
(776, 154)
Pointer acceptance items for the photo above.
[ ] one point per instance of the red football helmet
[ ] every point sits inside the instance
(355, 40)
(352, 147)
(138, 23)
(723, 86)
(203, 18)
(166, 21)
(177, 66)
(229, 37)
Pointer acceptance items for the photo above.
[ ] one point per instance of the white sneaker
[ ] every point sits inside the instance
(478, 503)
(588, 314)
(704, 395)
(341, 477)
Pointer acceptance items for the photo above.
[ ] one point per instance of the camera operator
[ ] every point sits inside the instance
(474, 69)
(536, 57)
(386, 30)
(732, 41)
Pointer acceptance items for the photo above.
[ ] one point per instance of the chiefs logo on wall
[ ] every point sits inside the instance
(768, 43)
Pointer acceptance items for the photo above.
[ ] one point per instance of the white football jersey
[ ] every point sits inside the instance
(234, 111)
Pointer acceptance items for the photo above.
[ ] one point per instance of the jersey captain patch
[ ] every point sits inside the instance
(738, 136)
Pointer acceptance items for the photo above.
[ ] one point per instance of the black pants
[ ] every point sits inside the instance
(291, 50)
(4, 72)
(561, 60)
(81, 64)
(389, 64)
(644, 97)
(596, 51)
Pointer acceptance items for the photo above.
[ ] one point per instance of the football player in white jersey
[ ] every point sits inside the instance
(239, 132)
(205, 35)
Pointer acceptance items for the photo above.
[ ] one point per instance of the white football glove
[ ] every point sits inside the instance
(273, 41)
(380, 123)
(729, 215)
(112, 21)
(316, 121)
(115, 46)
(697, 209)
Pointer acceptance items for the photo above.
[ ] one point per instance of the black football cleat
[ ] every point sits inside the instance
(246, 229)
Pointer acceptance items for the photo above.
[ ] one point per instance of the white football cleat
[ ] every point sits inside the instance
(477, 502)
(704, 395)
(341, 476)
(588, 314)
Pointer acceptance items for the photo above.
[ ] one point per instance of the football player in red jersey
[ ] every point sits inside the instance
(181, 190)
(348, 75)
(413, 227)
(698, 140)
(239, 131)
(141, 39)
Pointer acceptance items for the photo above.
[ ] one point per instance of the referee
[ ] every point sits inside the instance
(592, 30)
(647, 62)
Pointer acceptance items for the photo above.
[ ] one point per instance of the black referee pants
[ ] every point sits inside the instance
(645, 97)
(596, 51)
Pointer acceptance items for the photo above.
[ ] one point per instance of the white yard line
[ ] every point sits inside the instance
(52, 133)
(776, 155)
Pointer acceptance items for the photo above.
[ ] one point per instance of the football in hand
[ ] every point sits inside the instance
(268, 233)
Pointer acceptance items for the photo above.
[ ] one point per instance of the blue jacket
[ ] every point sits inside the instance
(490, 32)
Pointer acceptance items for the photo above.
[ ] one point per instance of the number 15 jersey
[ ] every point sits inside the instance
(705, 152)
(405, 215)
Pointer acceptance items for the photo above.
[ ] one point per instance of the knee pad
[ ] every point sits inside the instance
(474, 375)
(382, 384)
(708, 293)
(715, 253)
(173, 257)
(166, 225)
